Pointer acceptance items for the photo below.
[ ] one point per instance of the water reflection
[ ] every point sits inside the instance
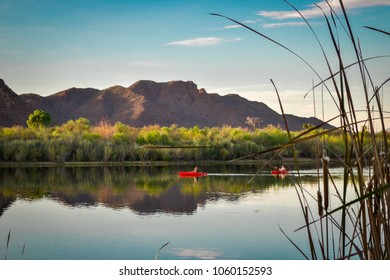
(199, 253)
(144, 190)
(129, 212)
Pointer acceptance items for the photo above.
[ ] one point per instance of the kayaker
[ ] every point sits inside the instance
(196, 169)
(282, 168)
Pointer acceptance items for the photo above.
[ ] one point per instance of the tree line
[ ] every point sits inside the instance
(79, 141)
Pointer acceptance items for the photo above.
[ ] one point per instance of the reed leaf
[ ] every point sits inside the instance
(158, 251)
(350, 203)
(294, 244)
(377, 30)
(346, 68)
(7, 245)
(24, 247)
(271, 40)
(368, 212)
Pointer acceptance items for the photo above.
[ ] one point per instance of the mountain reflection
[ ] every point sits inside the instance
(145, 190)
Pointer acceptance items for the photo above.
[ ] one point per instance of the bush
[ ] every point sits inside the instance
(77, 141)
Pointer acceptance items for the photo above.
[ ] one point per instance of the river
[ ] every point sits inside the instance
(99, 213)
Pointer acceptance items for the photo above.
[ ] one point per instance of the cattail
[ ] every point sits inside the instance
(325, 161)
(319, 203)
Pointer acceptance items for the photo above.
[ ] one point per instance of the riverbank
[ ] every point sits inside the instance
(77, 141)
(287, 161)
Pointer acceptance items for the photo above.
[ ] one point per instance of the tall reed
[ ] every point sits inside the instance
(354, 221)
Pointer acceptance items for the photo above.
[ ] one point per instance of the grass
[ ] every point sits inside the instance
(77, 142)
(351, 220)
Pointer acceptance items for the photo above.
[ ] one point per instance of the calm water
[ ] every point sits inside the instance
(130, 212)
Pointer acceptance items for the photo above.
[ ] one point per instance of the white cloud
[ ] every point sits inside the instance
(232, 26)
(365, 3)
(281, 24)
(313, 11)
(249, 21)
(308, 13)
(202, 41)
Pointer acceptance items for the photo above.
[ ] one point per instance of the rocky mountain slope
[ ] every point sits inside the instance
(13, 110)
(149, 103)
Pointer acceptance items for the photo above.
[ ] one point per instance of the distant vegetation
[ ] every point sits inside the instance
(78, 141)
(38, 119)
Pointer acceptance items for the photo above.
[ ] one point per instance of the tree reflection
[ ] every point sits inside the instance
(145, 190)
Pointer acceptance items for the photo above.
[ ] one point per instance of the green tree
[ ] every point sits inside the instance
(306, 126)
(38, 119)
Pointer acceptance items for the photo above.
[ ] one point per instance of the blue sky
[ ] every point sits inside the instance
(50, 45)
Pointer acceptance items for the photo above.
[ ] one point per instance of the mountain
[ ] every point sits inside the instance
(166, 103)
(14, 111)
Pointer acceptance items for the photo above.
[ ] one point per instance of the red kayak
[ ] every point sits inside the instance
(279, 172)
(192, 174)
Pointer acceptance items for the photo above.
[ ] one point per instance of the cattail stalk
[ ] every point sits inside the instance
(325, 168)
(319, 203)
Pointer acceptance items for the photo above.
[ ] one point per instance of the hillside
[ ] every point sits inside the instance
(14, 111)
(149, 103)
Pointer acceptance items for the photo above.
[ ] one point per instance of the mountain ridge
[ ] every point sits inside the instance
(148, 102)
(14, 111)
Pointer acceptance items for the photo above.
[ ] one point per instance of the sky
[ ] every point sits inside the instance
(47, 46)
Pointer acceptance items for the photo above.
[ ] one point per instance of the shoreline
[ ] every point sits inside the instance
(146, 163)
